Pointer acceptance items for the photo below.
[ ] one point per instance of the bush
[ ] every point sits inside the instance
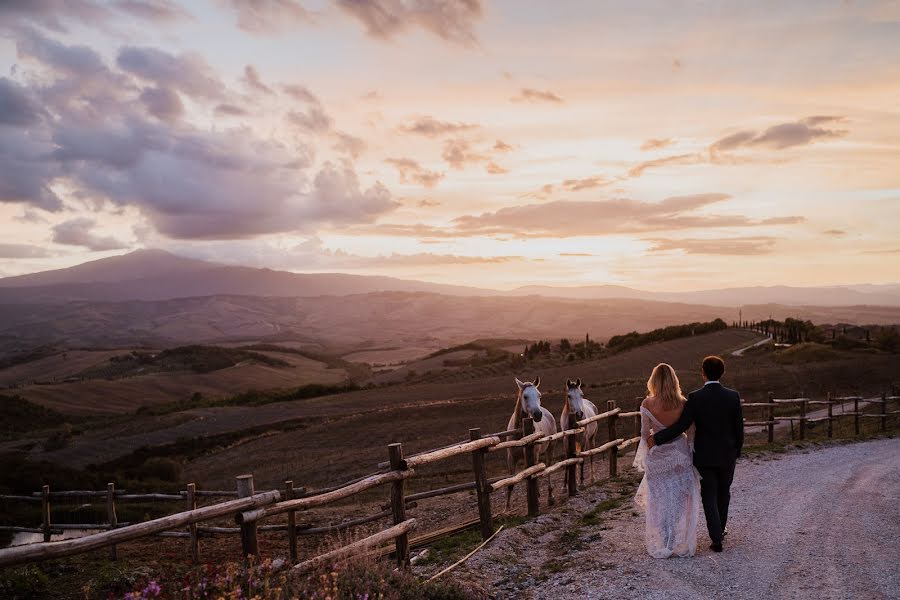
(163, 469)
(23, 582)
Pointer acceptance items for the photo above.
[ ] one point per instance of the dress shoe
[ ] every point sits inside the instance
(724, 532)
(715, 547)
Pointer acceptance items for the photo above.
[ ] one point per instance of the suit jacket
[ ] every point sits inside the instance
(719, 437)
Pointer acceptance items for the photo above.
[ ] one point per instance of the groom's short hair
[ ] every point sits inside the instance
(713, 367)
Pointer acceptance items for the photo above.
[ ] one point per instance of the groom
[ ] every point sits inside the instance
(716, 411)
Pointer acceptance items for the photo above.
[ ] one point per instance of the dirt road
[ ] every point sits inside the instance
(819, 523)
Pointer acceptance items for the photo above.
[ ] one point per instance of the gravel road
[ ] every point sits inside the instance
(813, 523)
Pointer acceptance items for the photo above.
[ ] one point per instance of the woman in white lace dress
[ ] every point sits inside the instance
(669, 493)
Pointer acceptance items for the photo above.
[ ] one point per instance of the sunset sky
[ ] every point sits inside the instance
(661, 145)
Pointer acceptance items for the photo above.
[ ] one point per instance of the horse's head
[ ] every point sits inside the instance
(575, 398)
(531, 398)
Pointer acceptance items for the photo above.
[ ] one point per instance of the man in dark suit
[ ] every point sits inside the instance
(716, 411)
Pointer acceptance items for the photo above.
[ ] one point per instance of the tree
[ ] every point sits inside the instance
(565, 345)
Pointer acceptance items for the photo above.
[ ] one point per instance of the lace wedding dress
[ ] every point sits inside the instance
(669, 493)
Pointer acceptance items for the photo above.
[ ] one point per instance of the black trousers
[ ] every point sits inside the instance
(715, 492)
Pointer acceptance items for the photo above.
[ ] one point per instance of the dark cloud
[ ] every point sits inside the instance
(162, 103)
(532, 95)
(160, 11)
(77, 232)
(254, 82)
(268, 16)
(656, 143)
(187, 73)
(431, 127)
(587, 183)
(410, 171)
(17, 105)
(783, 135)
(301, 93)
(23, 251)
(451, 20)
(313, 121)
(741, 246)
(591, 218)
(51, 13)
(230, 110)
(79, 61)
(349, 144)
(458, 153)
(25, 172)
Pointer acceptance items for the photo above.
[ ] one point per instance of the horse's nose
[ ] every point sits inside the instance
(538, 415)
(579, 416)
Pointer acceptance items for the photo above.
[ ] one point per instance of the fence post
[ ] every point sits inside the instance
(830, 416)
(195, 541)
(292, 522)
(614, 451)
(111, 514)
(481, 487)
(398, 504)
(571, 452)
(249, 540)
(856, 414)
(883, 411)
(771, 418)
(45, 511)
(531, 483)
(803, 419)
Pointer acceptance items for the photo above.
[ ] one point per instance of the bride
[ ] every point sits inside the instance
(669, 493)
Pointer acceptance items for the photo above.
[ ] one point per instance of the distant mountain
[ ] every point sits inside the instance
(158, 275)
(850, 295)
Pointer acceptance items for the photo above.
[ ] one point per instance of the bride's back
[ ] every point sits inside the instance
(666, 417)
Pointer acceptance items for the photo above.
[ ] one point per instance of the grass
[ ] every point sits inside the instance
(18, 415)
(596, 515)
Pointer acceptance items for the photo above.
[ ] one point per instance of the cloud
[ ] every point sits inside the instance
(187, 73)
(52, 13)
(587, 183)
(23, 251)
(410, 171)
(80, 61)
(17, 106)
(230, 110)
(741, 246)
(349, 144)
(494, 169)
(427, 203)
(160, 11)
(431, 127)
(252, 80)
(563, 218)
(301, 93)
(782, 135)
(77, 232)
(501, 146)
(314, 120)
(458, 153)
(678, 159)
(532, 95)
(268, 16)
(835, 232)
(450, 20)
(656, 144)
(162, 103)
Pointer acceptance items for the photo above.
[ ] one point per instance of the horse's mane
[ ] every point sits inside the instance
(517, 411)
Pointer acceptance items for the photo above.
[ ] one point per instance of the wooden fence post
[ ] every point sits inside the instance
(249, 540)
(856, 414)
(614, 451)
(571, 452)
(830, 416)
(531, 483)
(883, 411)
(803, 419)
(398, 504)
(771, 418)
(111, 514)
(195, 541)
(45, 511)
(292, 522)
(482, 490)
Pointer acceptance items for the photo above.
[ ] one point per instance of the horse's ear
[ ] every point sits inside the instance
(537, 381)
(568, 383)
(520, 383)
(578, 383)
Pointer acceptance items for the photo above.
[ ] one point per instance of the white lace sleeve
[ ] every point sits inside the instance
(646, 431)
(690, 436)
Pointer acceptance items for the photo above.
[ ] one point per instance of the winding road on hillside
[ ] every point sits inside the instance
(814, 523)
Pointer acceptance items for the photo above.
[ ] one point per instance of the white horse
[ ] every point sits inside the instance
(577, 408)
(528, 404)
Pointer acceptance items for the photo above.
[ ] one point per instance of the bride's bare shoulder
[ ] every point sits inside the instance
(649, 402)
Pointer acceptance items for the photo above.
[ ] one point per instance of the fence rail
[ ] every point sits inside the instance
(249, 508)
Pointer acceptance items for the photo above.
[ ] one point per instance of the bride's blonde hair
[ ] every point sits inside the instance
(664, 386)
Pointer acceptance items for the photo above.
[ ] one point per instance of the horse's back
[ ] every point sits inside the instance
(546, 425)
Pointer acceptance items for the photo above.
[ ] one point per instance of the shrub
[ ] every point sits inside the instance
(23, 582)
(163, 469)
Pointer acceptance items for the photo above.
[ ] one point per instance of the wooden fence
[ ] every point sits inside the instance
(249, 508)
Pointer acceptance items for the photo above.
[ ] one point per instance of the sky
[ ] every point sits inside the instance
(663, 145)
